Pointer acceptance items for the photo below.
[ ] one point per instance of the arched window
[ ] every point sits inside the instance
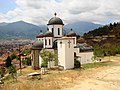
(74, 41)
(52, 30)
(58, 31)
(49, 42)
(45, 42)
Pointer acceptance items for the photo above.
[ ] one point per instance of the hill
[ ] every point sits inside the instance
(19, 29)
(106, 39)
(82, 26)
(111, 29)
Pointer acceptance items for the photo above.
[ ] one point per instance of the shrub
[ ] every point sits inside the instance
(77, 64)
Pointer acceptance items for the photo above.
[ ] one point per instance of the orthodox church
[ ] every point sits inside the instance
(66, 46)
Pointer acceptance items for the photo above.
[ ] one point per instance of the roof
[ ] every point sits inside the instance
(65, 38)
(48, 34)
(55, 20)
(41, 35)
(71, 34)
(84, 47)
(37, 45)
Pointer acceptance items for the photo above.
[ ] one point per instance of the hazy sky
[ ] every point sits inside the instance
(40, 11)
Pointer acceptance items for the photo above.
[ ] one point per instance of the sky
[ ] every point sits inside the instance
(40, 11)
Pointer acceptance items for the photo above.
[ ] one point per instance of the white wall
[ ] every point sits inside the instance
(66, 54)
(40, 61)
(61, 53)
(51, 42)
(69, 54)
(56, 30)
(40, 39)
(85, 57)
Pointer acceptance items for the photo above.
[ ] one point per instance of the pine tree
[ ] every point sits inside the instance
(8, 62)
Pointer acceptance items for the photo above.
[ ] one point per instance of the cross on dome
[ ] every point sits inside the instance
(41, 31)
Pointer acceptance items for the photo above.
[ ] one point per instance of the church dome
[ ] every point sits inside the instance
(48, 34)
(71, 34)
(37, 45)
(55, 20)
(41, 35)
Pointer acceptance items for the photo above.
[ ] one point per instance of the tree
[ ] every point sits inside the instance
(27, 52)
(13, 72)
(47, 57)
(13, 56)
(8, 62)
(1, 74)
(27, 61)
(98, 51)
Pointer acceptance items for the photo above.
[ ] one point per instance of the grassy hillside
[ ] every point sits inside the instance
(111, 29)
(105, 40)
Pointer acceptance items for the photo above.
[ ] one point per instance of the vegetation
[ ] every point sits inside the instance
(1, 74)
(13, 56)
(77, 64)
(8, 62)
(47, 56)
(13, 72)
(27, 52)
(106, 49)
(27, 61)
(108, 46)
(96, 64)
(111, 29)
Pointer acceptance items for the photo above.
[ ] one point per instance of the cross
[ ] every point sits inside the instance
(41, 31)
(69, 43)
(61, 44)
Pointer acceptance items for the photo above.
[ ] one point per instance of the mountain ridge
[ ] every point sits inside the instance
(22, 29)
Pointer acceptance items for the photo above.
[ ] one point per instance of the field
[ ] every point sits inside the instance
(68, 79)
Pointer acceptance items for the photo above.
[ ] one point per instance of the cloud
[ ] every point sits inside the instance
(40, 11)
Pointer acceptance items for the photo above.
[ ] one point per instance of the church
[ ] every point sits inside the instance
(54, 39)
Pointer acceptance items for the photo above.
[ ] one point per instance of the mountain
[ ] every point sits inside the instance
(111, 29)
(82, 26)
(19, 29)
(3, 24)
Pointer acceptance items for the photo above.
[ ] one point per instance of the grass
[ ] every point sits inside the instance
(55, 80)
(96, 64)
(52, 81)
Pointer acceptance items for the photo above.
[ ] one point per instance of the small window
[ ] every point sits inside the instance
(58, 31)
(52, 30)
(73, 41)
(45, 42)
(49, 42)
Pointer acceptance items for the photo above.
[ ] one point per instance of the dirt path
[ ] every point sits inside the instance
(108, 79)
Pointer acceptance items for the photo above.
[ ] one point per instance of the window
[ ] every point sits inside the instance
(73, 41)
(52, 30)
(45, 42)
(49, 42)
(58, 31)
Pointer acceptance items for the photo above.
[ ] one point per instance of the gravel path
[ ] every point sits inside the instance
(108, 79)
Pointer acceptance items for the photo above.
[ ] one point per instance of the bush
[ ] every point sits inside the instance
(77, 64)
(27, 61)
(1, 74)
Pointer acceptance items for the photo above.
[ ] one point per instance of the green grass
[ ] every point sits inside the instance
(96, 64)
